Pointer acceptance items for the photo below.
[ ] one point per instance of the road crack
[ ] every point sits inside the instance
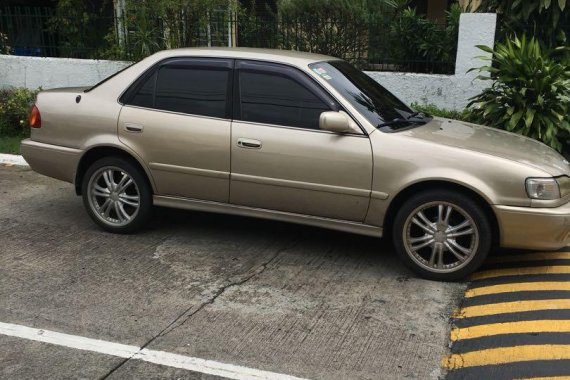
(192, 310)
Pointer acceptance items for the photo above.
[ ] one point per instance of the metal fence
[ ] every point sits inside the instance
(372, 45)
(26, 31)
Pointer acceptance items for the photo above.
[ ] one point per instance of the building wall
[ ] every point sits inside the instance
(444, 91)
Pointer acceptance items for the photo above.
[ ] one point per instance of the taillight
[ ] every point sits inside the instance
(35, 118)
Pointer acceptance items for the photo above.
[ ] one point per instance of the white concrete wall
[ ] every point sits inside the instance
(444, 91)
(448, 91)
(34, 72)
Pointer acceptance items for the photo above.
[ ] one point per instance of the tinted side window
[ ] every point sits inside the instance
(197, 91)
(143, 97)
(276, 99)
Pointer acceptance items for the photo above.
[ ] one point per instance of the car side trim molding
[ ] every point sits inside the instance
(301, 185)
(379, 195)
(224, 208)
(188, 170)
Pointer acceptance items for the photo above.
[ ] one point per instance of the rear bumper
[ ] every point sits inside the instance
(534, 228)
(51, 160)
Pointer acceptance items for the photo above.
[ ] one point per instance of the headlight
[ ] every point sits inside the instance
(542, 188)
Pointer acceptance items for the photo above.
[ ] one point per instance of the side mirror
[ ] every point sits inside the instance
(337, 122)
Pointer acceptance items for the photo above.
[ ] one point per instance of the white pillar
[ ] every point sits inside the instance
(474, 29)
(119, 21)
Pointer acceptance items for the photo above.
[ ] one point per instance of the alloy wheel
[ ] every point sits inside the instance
(441, 237)
(113, 196)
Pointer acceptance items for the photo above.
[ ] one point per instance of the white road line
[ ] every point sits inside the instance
(209, 367)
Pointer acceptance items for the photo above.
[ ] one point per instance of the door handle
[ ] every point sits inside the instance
(249, 143)
(133, 127)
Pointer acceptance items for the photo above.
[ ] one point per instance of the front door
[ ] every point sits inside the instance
(176, 117)
(281, 160)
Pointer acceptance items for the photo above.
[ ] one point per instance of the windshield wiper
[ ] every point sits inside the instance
(411, 118)
(415, 114)
(401, 120)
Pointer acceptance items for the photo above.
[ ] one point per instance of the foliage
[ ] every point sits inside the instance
(334, 27)
(257, 29)
(10, 144)
(363, 31)
(145, 38)
(437, 44)
(350, 29)
(150, 26)
(530, 94)
(77, 24)
(542, 16)
(398, 6)
(15, 104)
(433, 110)
(4, 47)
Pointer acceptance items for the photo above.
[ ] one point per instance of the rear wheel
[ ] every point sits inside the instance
(117, 195)
(442, 235)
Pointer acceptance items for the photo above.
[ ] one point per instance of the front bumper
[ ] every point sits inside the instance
(51, 160)
(534, 228)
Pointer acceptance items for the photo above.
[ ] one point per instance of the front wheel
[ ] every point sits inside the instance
(442, 235)
(117, 195)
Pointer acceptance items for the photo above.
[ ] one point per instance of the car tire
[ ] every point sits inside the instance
(442, 235)
(117, 195)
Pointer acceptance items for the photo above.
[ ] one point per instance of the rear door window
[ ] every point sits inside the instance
(196, 91)
(190, 86)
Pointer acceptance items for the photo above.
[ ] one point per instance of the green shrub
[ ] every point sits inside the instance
(541, 17)
(530, 94)
(15, 106)
(77, 25)
(420, 44)
(150, 26)
(4, 47)
(433, 110)
(334, 27)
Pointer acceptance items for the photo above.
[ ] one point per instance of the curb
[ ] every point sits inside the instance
(13, 160)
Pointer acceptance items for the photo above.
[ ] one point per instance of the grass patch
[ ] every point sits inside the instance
(10, 144)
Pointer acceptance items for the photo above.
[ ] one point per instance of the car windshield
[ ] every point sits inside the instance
(378, 105)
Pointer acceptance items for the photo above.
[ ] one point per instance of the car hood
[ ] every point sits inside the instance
(494, 142)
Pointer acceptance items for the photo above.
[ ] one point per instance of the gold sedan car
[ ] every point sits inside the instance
(302, 138)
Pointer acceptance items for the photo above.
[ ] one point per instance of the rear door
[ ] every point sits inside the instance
(281, 160)
(177, 118)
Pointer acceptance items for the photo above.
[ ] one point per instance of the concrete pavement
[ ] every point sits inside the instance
(283, 298)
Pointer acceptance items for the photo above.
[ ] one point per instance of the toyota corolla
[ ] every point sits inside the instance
(302, 138)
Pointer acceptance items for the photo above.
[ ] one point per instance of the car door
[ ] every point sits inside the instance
(281, 160)
(177, 118)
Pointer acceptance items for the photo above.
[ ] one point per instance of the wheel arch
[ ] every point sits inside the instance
(422, 186)
(97, 152)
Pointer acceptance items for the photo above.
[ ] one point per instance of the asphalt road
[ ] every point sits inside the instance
(289, 299)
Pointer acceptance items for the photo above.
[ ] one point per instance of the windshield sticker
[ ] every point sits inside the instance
(322, 73)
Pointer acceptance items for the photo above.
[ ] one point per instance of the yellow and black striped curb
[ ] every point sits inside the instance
(514, 322)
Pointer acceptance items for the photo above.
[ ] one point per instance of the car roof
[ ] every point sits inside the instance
(276, 55)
